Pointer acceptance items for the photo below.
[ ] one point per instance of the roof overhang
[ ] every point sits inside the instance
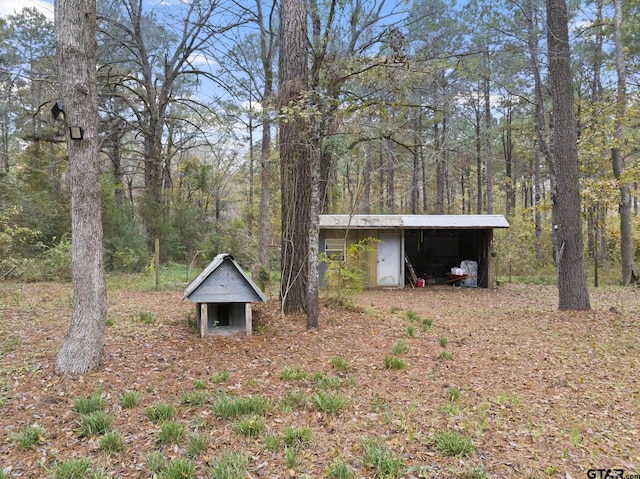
(413, 221)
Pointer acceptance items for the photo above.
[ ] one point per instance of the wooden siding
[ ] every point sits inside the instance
(224, 285)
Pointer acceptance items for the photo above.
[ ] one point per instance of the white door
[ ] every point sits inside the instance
(388, 259)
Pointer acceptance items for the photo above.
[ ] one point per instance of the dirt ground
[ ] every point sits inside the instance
(538, 392)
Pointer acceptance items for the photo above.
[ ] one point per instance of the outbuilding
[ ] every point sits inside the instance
(223, 294)
(406, 247)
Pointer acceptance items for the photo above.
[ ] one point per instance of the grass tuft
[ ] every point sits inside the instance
(71, 469)
(292, 373)
(89, 404)
(381, 459)
(221, 376)
(251, 426)
(292, 400)
(226, 407)
(112, 443)
(160, 412)
(171, 432)
(178, 468)
(400, 348)
(394, 363)
(156, 462)
(295, 437)
(339, 470)
(129, 399)
(230, 465)
(451, 443)
(195, 398)
(146, 317)
(29, 437)
(340, 364)
(197, 444)
(95, 423)
(329, 402)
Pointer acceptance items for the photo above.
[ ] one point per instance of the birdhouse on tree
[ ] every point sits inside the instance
(223, 294)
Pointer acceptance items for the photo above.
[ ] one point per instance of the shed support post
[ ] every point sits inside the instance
(204, 320)
(248, 319)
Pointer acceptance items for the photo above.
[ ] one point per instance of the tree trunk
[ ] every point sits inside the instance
(313, 307)
(264, 234)
(440, 167)
(294, 157)
(267, 48)
(367, 178)
(487, 140)
(572, 281)
(478, 145)
(540, 146)
(624, 208)
(76, 51)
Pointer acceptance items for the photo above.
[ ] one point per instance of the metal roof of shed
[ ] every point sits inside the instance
(223, 280)
(413, 221)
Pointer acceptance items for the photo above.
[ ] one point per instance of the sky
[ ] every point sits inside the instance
(9, 7)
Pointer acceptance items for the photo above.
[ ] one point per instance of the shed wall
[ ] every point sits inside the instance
(224, 285)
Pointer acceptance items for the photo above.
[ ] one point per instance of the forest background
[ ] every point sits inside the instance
(422, 107)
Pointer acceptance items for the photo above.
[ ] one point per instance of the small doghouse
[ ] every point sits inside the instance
(223, 294)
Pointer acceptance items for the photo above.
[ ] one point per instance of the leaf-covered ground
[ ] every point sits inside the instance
(537, 392)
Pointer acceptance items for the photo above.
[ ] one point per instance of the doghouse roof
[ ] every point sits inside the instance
(413, 221)
(223, 281)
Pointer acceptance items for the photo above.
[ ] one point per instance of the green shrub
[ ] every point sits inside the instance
(56, 261)
(345, 276)
(123, 242)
